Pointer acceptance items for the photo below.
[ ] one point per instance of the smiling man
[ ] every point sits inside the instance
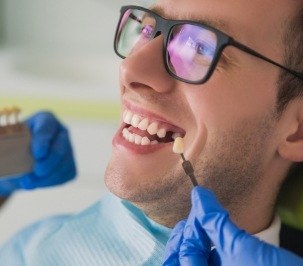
(237, 130)
(225, 76)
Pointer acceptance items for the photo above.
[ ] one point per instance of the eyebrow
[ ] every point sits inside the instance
(215, 23)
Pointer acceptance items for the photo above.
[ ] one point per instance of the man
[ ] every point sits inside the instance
(234, 101)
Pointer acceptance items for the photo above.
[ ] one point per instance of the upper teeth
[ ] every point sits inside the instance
(143, 124)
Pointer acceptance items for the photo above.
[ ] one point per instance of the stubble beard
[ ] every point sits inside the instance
(163, 198)
(234, 166)
(231, 165)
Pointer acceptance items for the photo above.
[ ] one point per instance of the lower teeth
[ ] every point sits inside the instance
(136, 139)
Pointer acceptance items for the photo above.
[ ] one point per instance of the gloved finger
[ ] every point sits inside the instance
(234, 246)
(65, 176)
(254, 252)
(67, 171)
(173, 245)
(44, 127)
(26, 182)
(214, 258)
(214, 219)
(8, 185)
(229, 240)
(60, 149)
(196, 245)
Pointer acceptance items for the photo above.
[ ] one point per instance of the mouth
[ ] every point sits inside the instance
(147, 129)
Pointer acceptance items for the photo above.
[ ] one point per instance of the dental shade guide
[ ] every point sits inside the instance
(178, 148)
(15, 155)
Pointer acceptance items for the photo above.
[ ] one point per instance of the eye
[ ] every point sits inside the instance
(204, 49)
(201, 47)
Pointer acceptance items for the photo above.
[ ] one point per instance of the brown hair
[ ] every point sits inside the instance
(289, 86)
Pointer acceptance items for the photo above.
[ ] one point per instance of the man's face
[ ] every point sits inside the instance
(228, 123)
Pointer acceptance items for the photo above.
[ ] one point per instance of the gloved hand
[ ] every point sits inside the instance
(209, 222)
(54, 162)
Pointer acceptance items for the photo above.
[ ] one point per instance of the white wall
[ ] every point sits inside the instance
(61, 49)
(1, 21)
(61, 40)
(62, 24)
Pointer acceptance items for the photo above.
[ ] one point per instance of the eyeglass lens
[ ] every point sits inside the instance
(190, 48)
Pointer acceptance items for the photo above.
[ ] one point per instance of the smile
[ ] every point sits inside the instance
(145, 131)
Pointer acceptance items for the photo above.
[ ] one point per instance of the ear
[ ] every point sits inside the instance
(291, 147)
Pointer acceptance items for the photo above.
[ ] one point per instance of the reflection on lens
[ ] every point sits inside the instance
(136, 29)
(191, 51)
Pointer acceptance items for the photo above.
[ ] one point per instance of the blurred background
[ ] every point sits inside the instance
(57, 55)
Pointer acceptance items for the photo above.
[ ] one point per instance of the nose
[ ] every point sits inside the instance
(145, 68)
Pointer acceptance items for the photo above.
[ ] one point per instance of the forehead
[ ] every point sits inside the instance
(215, 22)
(247, 21)
(257, 10)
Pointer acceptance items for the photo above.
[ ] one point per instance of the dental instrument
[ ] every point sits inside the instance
(178, 148)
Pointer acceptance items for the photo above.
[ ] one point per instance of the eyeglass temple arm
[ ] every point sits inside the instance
(254, 53)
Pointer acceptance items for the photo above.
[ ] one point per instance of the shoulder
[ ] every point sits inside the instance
(12, 252)
(25, 243)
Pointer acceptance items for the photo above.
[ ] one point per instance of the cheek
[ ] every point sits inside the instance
(225, 99)
(256, 89)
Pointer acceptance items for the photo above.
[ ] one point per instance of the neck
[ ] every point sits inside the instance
(255, 212)
(254, 217)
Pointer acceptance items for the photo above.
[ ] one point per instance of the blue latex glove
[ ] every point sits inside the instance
(54, 162)
(209, 222)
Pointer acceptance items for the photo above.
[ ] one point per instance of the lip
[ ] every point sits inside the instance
(120, 142)
(153, 117)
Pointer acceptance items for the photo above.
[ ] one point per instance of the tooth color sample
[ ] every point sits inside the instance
(178, 146)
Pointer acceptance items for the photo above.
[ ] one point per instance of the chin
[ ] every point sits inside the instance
(121, 183)
(151, 187)
(116, 184)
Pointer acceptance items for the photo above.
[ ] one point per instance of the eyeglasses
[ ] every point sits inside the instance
(191, 49)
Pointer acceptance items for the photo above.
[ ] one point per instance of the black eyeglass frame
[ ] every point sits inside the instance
(165, 27)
